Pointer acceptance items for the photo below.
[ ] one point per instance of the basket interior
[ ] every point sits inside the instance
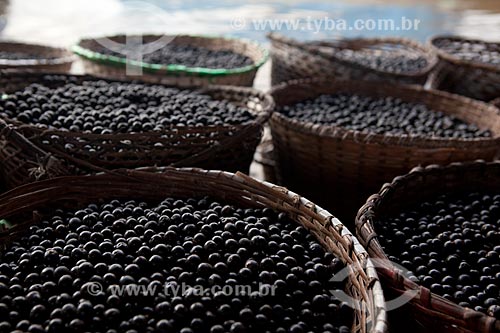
(418, 186)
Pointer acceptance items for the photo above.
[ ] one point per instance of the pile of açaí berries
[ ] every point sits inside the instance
(386, 115)
(471, 51)
(186, 55)
(384, 62)
(48, 276)
(116, 107)
(450, 244)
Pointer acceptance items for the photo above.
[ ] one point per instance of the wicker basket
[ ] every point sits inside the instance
(339, 168)
(362, 283)
(435, 313)
(50, 59)
(295, 60)
(463, 77)
(29, 153)
(114, 67)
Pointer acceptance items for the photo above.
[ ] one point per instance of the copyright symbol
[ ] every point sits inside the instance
(93, 288)
(238, 23)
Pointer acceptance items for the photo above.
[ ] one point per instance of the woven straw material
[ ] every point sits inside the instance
(339, 168)
(362, 283)
(50, 59)
(463, 77)
(295, 60)
(29, 153)
(114, 67)
(436, 313)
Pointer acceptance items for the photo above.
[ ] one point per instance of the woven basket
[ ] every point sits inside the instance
(295, 60)
(463, 77)
(51, 59)
(29, 153)
(362, 283)
(114, 67)
(435, 313)
(339, 168)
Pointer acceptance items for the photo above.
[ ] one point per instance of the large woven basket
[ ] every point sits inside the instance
(115, 67)
(339, 168)
(362, 282)
(49, 59)
(29, 153)
(463, 77)
(433, 312)
(295, 60)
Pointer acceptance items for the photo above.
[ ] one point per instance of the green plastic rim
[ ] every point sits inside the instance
(4, 225)
(173, 68)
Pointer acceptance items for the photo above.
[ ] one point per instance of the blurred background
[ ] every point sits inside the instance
(62, 23)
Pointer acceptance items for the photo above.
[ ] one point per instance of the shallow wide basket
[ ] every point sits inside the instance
(50, 59)
(28, 153)
(434, 312)
(362, 283)
(339, 168)
(472, 79)
(295, 60)
(115, 67)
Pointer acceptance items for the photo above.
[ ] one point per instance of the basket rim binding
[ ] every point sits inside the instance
(332, 131)
(238, 187)
(64, 58)
(172, 68)
(457, 60)
(314, 48)
(365, 231)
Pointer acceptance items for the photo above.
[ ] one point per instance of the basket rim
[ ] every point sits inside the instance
(94, 56)
(238, 179)
(332, 131)
(260, 118)
(310, 47)
(64, 57)
(457, 60)
(368, 213)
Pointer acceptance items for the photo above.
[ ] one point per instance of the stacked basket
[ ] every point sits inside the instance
(295, 60)
(338, 168)
(110, 66)
(31, 153)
